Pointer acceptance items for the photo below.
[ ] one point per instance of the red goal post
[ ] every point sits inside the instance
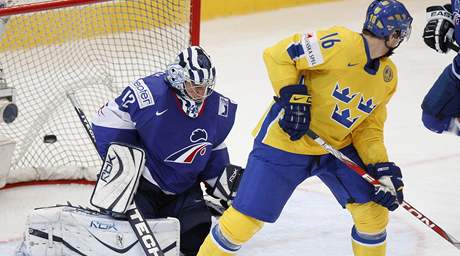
(91, 48)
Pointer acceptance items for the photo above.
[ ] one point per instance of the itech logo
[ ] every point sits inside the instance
(140, 227)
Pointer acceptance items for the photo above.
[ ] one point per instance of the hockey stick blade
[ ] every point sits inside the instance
(355, 167)
(430, 224)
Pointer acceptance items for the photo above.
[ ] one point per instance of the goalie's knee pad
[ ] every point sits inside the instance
(369, 232)
(66, 230)
(233, 230)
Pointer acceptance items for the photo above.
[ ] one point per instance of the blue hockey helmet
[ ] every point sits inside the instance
(192, 65)
(384, 17)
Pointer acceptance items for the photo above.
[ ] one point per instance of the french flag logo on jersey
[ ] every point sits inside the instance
(186, 155)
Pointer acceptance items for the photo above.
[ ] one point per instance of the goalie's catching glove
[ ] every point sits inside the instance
(390, 193)
(225, 186)
(295, 101)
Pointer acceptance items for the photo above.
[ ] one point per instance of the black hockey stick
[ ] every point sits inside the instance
(352, 165)
(453, 46)
(136, 219)
(81, 115)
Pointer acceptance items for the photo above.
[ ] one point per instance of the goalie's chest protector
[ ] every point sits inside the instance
(178, 147)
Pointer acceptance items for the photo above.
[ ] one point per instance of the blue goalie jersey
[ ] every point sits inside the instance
(180, 151)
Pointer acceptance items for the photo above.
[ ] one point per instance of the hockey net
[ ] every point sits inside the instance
(92, 49)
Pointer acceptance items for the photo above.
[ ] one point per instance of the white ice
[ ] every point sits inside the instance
(312, 222)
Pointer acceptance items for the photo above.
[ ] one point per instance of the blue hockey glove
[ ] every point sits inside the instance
(390, 193)
(295, 101)
(439, 30)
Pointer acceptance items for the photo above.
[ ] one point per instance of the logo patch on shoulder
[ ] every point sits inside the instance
(387, 74)
(143, 94)
(312, 49)
(223, 106)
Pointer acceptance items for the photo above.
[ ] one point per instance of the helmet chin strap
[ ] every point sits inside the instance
(390, 49)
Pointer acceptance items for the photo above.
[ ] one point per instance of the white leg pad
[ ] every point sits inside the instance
(65, 230)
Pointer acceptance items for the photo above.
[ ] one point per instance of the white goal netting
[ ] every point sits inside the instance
(91, 50)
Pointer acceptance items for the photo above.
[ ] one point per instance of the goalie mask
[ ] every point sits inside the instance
(193, 76)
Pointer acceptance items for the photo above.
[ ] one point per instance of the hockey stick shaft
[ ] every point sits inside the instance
(137, 221)
(355, 167)
(453, 46)
(81, 115)
(143, 232)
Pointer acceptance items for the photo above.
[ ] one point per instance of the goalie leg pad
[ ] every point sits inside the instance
(189, 207)
(65, 230)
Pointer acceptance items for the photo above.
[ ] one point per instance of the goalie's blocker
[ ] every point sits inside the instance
(118, 179)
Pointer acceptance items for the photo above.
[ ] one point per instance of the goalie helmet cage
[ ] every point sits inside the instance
(90, 48)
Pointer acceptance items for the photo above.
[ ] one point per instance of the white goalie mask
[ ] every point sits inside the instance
(192, 65)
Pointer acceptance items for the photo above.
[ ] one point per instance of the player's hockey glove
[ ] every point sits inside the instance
(295, 101)
(390, 193)
(439, 30)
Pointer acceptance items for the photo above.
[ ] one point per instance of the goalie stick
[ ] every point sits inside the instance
(136, 219)
(81, 115)
(352, 165)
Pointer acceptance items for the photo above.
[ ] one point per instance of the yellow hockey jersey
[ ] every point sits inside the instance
(349, 92)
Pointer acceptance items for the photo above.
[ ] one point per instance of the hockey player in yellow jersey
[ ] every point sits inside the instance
(337, 83)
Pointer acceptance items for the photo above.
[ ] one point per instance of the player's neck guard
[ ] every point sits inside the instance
(190, 107)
